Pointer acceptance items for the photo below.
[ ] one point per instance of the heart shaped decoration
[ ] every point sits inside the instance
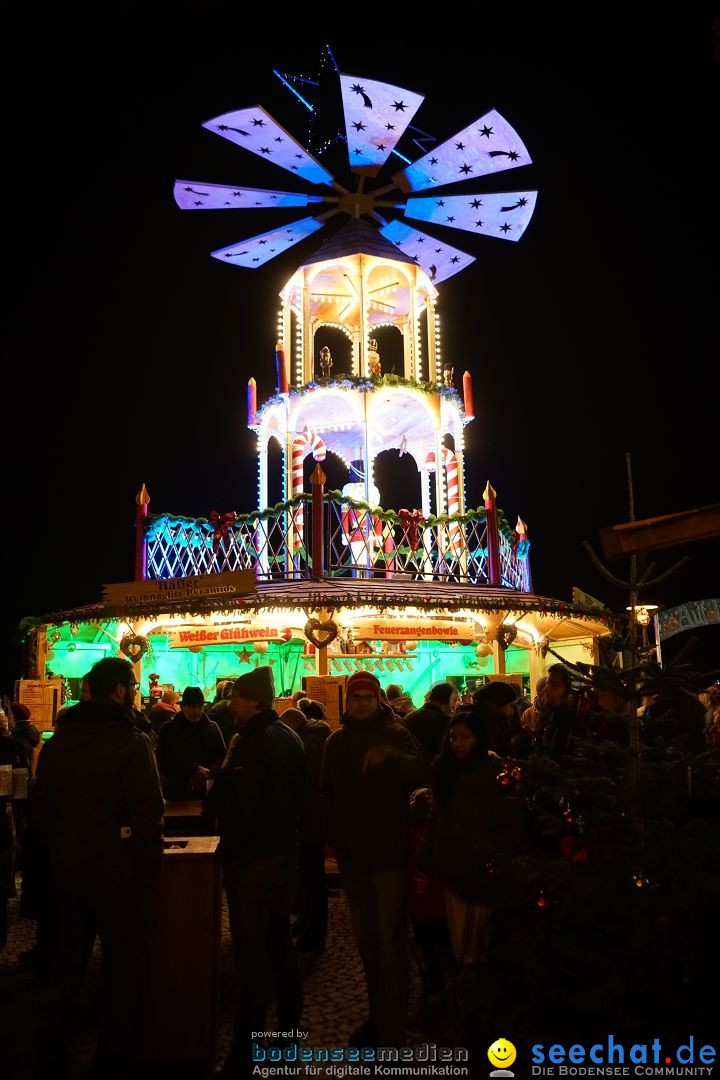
(313, 627)
(134, 646)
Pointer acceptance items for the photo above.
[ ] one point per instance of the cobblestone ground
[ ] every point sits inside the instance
(333, 987)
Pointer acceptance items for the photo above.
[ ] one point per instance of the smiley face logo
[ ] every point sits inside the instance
(502, 1053)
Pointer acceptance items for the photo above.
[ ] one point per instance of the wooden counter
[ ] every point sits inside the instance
(182, 975)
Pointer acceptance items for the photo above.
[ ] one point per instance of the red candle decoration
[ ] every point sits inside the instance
(252, 400)
(281, 367)
(467, 395)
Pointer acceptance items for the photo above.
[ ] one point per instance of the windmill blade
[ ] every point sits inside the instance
(376, 116)
(488, 145)
(255, 130)
(194, 195)
(438, 260)
(262, 248)
(504, 214)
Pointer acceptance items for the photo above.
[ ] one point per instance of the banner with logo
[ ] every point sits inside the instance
(691, 616)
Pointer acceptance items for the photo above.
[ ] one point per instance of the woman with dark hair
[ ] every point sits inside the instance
(478, 824)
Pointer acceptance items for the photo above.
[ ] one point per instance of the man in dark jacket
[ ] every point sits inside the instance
(372, 763)
(257, 798)
(190, 748)
(429, 725)
(99, 806)
(25, 729)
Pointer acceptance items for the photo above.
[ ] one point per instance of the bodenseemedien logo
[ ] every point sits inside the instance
(501, 1054)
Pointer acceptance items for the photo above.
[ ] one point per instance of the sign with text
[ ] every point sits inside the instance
(328, 690)
(172, 590)
(392, 628)
(43, 698)
(180, 637)
(689, 616)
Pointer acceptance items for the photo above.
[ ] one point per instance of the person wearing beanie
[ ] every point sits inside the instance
(98, 805)
(372, 763)
(478, 825)
(257, 799)
(190, 748)
(314, 731)
(429, 724)
(504, 728)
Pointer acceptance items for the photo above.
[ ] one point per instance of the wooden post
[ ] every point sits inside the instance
(498, 658)
(535, 668)
(321, 660)
(493, 536)
(317, 480)
(141, 499)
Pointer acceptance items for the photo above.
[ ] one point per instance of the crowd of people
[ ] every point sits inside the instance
(408, 799)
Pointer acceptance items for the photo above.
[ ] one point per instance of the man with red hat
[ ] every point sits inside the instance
(371, 765)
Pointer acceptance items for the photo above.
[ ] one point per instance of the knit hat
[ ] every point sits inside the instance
(257, 685)
(363, 682)
(192, 695)
(20, 711)
(294, 718)
(496, 693)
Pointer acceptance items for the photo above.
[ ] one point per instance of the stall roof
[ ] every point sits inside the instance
(336, 593)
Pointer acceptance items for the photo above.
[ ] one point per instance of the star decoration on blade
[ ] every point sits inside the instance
(377, 117)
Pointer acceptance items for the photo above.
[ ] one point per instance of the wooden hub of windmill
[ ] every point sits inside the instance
(356, 203)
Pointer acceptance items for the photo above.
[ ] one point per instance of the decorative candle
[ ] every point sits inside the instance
(281, 367)
(252, 400)
(467, 395)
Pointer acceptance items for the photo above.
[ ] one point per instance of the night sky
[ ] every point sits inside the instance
(594, 335)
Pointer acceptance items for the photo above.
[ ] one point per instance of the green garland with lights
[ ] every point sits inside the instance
(363, 384)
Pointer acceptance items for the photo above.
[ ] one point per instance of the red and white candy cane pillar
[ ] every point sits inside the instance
(302, 444)
(450, 461)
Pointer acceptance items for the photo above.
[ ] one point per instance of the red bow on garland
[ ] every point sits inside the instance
(221, 524)
(411, 520)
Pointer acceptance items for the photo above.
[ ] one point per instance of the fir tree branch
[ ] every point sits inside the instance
(646, 574)
(603, 569)
(672, 570)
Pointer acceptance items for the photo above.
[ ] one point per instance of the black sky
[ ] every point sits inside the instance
(594, 335)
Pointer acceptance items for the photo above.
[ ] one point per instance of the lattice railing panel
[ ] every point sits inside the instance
(179, 547)
(361, 544)
(514, 568)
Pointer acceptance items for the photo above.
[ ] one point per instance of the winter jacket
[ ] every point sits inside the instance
(258, 796)
(182, 746)
(220, 712)
(478, 826)
(429, 727)
(28, 733)
(367, 813)
(160, 713)
(402, 706)
(313, 734)
(97, 799)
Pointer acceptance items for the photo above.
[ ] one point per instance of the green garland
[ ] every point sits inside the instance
(157, 520)
(365, 385)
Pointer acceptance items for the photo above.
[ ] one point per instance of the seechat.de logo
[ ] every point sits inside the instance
(501, 1054)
